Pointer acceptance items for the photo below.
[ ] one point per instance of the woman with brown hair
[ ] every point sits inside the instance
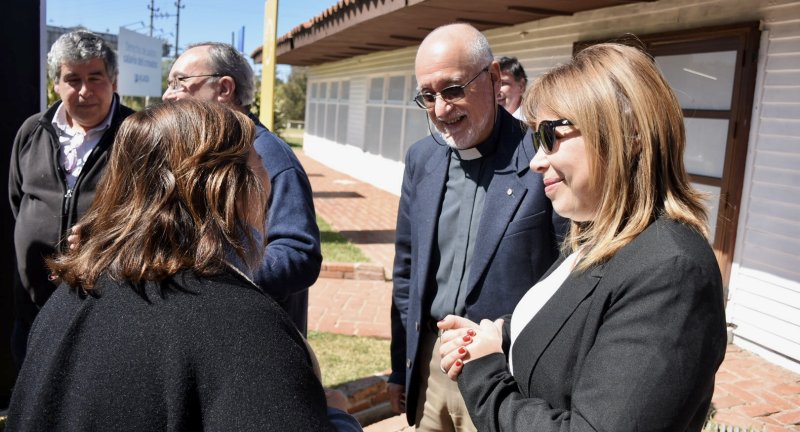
(626, 330)
(157, 325)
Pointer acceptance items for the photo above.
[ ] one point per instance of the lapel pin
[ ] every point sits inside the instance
(509, 191)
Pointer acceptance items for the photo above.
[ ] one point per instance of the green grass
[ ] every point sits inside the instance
(293, 137)
(336, 248)
(346, 358)
(294, 141)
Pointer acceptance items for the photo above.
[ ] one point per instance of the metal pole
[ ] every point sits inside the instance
(177, 24)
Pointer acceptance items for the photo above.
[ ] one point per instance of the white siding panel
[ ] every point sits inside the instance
(762, 333)
(778, 209)
(779, 177)
(783, 61)
(767, 260)
(785, 94)
(775, 192)
(780, 29)
(780, 313)
(780, 125)
(782, 110)
(777, 242)
(782, 78)
(782, 144)
(767, 160)
(784, 45)
(787, 297)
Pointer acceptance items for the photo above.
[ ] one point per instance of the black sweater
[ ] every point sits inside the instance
(193, 354)
(43, 207)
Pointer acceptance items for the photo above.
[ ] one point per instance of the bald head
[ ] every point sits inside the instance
(458, 57)
(466, 40)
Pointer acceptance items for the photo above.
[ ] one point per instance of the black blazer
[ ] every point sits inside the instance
(630, 345)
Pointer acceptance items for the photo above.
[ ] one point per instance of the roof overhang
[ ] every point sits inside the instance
(354, 27)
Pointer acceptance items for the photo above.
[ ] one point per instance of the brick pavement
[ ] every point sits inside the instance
(750, 392)
(365, 215)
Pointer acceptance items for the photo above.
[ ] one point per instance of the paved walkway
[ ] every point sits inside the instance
(750, 392)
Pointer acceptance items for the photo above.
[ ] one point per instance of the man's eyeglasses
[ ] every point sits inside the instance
(545, 136)
(450, 94)
(176, 84)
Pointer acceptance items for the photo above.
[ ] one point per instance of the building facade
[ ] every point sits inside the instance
(734, 64)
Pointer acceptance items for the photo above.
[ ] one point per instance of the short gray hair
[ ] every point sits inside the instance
(479, 50)
(80, 46)
(227, 61)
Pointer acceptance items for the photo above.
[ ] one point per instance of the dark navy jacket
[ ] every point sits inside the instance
(293, 259)
(516, 242)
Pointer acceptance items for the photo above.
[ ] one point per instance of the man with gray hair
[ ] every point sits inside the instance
(474, 229)
(57, 159)
(217, 72)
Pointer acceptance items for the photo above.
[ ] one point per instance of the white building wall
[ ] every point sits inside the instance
(764, 288)
(350, 157)
(765, 279)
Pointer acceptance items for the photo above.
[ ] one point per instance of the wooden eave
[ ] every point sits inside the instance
(355, 27)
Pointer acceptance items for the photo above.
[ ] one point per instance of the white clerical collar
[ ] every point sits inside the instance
(468, 154)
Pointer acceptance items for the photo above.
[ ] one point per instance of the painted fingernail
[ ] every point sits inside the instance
(462, 350)
(467, 338)
(458, 363)
(471, 332)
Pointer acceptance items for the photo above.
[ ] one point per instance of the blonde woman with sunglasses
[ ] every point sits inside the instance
(626, 331)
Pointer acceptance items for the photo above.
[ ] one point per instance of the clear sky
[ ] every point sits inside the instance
(201, 20)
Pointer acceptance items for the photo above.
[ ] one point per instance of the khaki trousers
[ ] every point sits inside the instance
(440, 407)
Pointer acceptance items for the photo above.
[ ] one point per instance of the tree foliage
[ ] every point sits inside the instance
(290, 99)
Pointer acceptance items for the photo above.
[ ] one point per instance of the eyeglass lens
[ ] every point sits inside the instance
(545, 136)
(450, 94)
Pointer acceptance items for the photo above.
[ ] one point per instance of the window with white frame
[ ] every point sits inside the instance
(327, 111)
(393, 122)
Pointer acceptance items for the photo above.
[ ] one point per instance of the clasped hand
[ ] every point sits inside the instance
(463, 341)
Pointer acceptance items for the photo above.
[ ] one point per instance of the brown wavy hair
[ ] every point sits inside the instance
(633, 130)
(174, 197)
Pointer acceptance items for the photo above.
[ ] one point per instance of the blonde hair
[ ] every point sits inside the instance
(175, 197)
(632, 127)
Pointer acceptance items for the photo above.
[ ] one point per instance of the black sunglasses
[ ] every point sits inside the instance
(545, 136)
(450, 94)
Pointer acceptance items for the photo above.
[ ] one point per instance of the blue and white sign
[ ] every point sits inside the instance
(139, 59)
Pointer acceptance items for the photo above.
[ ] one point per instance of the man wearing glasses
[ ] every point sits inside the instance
(217, 72)
(57, 159)
(474, 228)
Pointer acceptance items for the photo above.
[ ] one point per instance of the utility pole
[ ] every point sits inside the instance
(153, 10)
(177, 24)
(268, 61)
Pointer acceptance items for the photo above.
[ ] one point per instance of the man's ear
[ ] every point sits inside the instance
(494, 74)
(227, 90)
